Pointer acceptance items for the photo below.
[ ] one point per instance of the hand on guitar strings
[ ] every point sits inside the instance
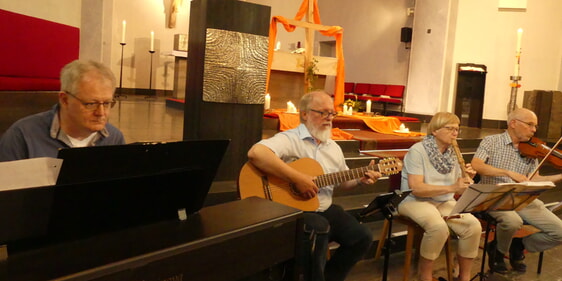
(305, 186)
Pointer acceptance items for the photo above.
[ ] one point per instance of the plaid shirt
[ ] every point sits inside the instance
(498, 151)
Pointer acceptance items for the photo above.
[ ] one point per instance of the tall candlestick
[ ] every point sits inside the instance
(368, 106)
(152, 41)
(123, 31)
(267, 101)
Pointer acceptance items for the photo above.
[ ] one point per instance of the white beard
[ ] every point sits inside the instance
(322, 135)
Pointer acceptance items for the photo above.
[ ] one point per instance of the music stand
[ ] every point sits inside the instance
(502, 197)
(387, 203)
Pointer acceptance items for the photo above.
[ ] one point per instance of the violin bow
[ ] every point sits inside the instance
(545, 157)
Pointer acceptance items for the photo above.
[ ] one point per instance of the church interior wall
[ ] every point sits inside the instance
(480, 33)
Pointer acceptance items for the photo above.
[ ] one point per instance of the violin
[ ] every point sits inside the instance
(536, 148)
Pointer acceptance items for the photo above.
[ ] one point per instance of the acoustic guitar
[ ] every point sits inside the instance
(253, 182)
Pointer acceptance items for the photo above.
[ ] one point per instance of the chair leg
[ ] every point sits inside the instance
(382, 239)
(449, 259)
(408, 252)
(539, 265)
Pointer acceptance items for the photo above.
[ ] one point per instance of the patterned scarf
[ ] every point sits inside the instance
(442, 162)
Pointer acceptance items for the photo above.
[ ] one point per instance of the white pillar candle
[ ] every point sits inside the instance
(152, 41)
(345, 109)
(518, 51)
(368, 110)
(289, 106)
(123, 31)
(267, 101)
(519, 37)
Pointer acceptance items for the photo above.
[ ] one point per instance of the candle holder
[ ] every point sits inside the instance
(513, 97)
(120, 92)
(151, 94)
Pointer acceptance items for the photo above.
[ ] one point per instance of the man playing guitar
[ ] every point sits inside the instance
(312, 139)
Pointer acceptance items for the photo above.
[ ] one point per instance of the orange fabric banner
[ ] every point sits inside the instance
(289, 121)
(333, 31)
(386, 125)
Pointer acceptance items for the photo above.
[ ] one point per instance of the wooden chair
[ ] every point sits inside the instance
(489, 224)
(413, 241)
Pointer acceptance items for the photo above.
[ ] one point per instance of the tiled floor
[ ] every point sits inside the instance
(148, 119)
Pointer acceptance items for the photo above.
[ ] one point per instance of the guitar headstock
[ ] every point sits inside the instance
(390, 166)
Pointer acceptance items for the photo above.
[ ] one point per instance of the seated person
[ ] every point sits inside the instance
(498, 160)
(312, 139)
(433, 174)
(79, 119)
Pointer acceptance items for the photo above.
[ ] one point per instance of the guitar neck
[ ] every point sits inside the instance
(343, 176)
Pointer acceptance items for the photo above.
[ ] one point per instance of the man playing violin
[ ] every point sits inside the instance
(498, 160)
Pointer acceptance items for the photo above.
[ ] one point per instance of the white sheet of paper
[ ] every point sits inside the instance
(473, 196)
(27, 173)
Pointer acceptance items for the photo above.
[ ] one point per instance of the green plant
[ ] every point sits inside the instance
(310, 74)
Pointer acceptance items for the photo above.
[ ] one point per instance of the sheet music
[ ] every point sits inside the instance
(470, 199)
(27, 173)
(505, 196)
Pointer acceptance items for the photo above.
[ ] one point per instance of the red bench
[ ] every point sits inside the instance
(34, 51)
(376, 93)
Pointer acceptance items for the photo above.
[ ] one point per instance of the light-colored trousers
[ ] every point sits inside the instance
(429, 215)
(536, 214)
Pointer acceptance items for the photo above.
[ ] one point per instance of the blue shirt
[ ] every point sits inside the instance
(39, 135)
(297, 143)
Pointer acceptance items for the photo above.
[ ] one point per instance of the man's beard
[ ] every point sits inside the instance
(321, 133)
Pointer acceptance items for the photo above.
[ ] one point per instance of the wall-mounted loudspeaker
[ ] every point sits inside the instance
(406, 34)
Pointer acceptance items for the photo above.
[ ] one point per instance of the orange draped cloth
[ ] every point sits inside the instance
(289, 121)
(385, 125)
(381, 124)
(335, 31)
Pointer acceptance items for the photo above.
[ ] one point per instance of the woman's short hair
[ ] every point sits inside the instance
(440, 119)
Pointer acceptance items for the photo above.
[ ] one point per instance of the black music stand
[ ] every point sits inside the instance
(387, 203)
(483, 198)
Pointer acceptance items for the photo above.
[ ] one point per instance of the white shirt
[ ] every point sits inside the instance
(297, 143)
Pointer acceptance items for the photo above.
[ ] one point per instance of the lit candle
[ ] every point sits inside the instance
(519, 36)
(123, 31)
(345, 109)
(152, 41)
(267, 101)
(368, 106)
(518, 51)
(289, 106)
(278, 46)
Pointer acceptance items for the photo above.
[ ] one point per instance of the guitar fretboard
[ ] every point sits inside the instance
(343, 176)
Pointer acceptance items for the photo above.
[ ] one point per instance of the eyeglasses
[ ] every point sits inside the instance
(325, 114)
(530, 124)
(94, 105)
(451, 129)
